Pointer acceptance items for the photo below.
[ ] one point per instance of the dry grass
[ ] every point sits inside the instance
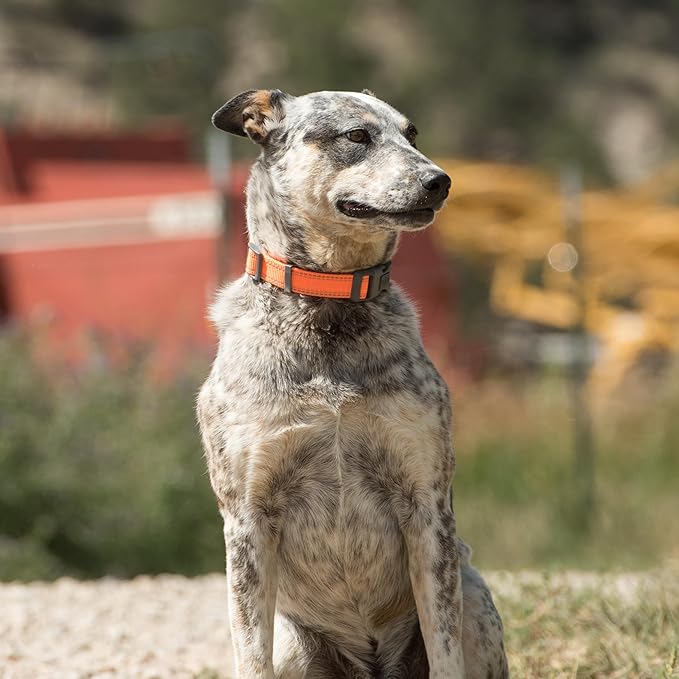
(586, 626)
(516, 497)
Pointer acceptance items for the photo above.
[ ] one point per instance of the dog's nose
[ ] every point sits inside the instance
(436, 182)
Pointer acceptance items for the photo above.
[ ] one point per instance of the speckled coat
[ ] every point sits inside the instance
(326, 427)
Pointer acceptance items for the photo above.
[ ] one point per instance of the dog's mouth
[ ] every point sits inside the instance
(356, 210)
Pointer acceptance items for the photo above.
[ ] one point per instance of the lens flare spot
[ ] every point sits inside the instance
(562, 257)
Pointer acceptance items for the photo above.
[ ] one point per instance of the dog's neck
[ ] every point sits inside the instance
(334, 253)
(297, 240)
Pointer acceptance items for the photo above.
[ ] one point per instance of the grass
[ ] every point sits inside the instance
(515, 486)
(579, 626)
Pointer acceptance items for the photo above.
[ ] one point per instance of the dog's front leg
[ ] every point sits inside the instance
(435, 577)
(252, 584)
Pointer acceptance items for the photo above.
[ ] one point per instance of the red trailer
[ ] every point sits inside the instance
(118, 234)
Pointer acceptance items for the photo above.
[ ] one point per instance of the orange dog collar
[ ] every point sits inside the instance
(357, 286)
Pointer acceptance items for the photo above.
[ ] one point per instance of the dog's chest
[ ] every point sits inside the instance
(328, 445)
(334, 485)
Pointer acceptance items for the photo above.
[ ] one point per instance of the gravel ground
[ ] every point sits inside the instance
(169, 626)
(149, 627)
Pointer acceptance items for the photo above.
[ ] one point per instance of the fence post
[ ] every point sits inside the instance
(583, 435)
(218, 158)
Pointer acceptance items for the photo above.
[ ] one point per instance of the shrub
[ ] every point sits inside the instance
(100, 472)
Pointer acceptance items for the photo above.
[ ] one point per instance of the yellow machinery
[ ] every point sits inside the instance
(622, 281)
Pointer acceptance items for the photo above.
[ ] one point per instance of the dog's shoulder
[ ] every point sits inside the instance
(243, 308)
(232, 302)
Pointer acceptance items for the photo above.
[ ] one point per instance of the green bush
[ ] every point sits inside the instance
(101, 472)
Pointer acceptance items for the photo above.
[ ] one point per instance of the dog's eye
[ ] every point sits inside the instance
(358, 136)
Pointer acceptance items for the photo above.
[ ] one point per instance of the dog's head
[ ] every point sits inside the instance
(344, 163)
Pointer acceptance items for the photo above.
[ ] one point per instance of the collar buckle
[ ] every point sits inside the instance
(378, 277)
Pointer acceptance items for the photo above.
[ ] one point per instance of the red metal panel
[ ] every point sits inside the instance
(154, 292)
(423, 272)
(44, 165)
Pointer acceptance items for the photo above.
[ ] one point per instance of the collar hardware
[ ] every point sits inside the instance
(259, 262)
(378, 281)
(287, 286)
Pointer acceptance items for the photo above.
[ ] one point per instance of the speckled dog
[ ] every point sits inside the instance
(325, 425)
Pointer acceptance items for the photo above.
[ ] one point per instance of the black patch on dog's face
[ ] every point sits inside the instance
(410, 133)
(330, 121)
(329, 134)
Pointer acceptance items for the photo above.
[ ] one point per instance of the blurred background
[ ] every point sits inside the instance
(548, 288)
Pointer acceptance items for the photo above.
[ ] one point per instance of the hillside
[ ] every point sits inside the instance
(547, 83)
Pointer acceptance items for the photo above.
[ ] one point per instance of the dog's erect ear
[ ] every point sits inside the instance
(253, 114)
(370, 93)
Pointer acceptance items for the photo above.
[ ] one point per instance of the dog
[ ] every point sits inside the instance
(326, 427)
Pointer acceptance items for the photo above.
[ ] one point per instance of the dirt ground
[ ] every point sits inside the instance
(559, 625)
(166, 626)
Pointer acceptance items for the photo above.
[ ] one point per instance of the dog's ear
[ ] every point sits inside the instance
(254, 113)
(370, 93)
